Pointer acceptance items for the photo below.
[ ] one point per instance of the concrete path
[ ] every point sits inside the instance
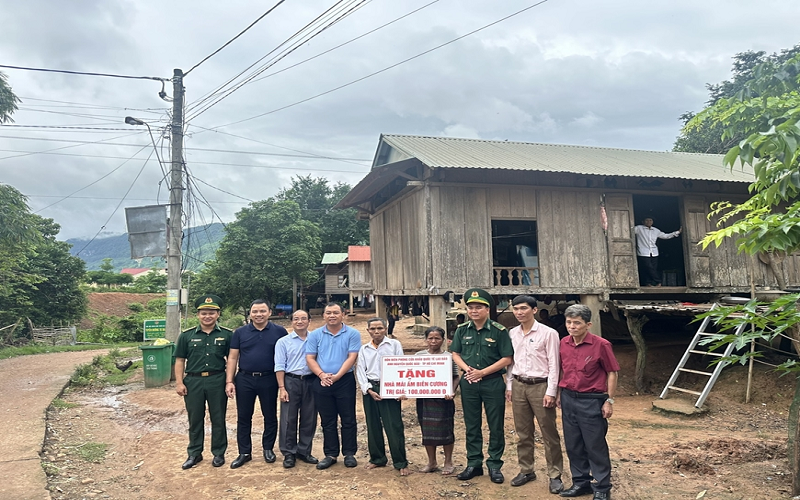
(27, 386)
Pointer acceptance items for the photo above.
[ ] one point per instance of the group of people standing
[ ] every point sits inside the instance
(316, 372)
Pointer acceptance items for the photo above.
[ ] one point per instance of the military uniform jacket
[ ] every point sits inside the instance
(204, 352)
(482, 348)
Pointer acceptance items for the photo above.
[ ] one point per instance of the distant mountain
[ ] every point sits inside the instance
(199, 246)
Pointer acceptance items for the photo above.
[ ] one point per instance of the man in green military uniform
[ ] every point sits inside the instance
(200, 357)
(482, 349)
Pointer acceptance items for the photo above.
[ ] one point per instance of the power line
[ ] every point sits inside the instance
(72, 104)
(147, 200)
(118, 205)
(84, 73)
(208, 150)
(330, 22)
(359, 37)
(98, 180)
(387, 68)
(70, 127)
(50, 151)
(234, 38)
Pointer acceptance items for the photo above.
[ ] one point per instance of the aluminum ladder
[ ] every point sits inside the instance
(694, 349)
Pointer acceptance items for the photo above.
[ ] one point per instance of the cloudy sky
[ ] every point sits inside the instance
(587, 72)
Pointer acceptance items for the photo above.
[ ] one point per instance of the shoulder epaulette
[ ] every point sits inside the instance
(498, 325)
(466, 323)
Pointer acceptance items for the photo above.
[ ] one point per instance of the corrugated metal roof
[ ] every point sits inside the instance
(447, 152)
(358, 253)
(334, 258)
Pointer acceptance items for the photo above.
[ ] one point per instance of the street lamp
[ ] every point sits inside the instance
(174, 237)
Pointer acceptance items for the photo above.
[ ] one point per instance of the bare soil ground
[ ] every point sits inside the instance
(114, 304)
(734, 451)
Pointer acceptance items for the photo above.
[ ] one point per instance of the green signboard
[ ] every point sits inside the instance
(155, 329)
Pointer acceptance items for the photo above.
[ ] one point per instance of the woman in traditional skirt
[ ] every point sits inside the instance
(436, 416)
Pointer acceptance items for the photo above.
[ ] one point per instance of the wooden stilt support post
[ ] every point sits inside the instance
(635, 324)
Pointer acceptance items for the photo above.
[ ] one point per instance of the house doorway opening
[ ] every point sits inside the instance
(665, 212)
(515, 253)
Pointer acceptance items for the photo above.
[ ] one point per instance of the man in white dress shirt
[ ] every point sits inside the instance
(647, 251)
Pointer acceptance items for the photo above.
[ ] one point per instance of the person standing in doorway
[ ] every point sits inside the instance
(647, 250)
(294, 391)
(200, 356)
(482, 349)
(253, 351)
(586, 397)
(532, 387)
(331, 352)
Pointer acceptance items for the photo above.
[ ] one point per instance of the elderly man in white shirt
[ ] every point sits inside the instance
(531, 387)
(647, 251)
(381, 414)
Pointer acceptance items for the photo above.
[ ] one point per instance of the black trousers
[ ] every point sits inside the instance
(648, 271)
(298, 417)
(334, 403)
(248, 387)
(585, 440)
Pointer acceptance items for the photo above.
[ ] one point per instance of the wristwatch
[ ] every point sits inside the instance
(610, 400)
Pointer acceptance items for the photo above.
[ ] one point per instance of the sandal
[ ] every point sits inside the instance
(446, 471)
(428, 468)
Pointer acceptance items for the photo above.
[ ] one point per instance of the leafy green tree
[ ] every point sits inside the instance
(267, 246)
(316, 199)
(765, 113)
(107, 265)
(39, 279)
(707, 136)
(153, 282)
(8, 101)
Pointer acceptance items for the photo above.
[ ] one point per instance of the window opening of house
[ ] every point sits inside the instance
(515, 254)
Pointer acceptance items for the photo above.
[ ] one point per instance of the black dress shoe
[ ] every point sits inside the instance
(523, 478)
(269, 456)
(288, 461)
(309, 459)
(576, 491)
(192, 461)
(556, 485)
(241, 460)
(496, 476)
(219, 461)
(469, 473)
(326, 462)
(350, 461)
(602, 495)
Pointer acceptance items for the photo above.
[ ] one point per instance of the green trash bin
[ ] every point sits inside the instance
(157, 360)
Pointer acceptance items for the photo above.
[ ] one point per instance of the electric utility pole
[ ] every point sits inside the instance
(175, 226)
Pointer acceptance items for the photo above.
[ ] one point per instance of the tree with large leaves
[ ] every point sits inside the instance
(765, 113)
(264, 249)
(316, 199)
(8, 101)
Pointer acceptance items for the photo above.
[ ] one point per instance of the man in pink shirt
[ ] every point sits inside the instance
(531, 387)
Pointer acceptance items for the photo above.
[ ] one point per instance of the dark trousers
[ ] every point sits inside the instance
(391, 321)
(202, 390)
(648, 271)
(248, 387)
(333, 403)
(491, 394)
(387, 415)
(296, 440)
(585, 440)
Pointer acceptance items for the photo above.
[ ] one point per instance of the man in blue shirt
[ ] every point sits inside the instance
(253, 350)
(331, 352)
(294, 391)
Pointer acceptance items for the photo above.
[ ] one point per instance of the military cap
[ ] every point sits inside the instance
(208, 302)
(478, 295)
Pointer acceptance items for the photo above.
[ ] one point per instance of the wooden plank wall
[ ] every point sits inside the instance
(399, 255)
(572, 245)
(360, 276)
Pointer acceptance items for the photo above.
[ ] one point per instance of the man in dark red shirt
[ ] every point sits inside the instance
(586, 398)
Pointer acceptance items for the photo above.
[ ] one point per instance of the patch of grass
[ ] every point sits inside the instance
(12, 352)
(103, 371)
(60, 403)
(92, 452)
(50, 469)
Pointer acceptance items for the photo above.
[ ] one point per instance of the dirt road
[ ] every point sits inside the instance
(29, 385)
